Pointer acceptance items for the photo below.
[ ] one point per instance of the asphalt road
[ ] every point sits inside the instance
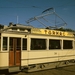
(69, 70)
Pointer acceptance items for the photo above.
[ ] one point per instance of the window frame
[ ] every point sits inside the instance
(60, 44)
(22, 44)
(42, 45)
(72, 47)
(2, 43)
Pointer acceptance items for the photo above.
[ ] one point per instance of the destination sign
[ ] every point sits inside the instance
(51, 32)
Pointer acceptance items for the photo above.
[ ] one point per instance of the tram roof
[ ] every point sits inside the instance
(32, 30)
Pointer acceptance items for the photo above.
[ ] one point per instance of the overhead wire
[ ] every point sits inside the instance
(33, 6)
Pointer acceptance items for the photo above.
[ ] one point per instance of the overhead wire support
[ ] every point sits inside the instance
(38, 17)
(42, 23)
(47, 20)
(41, 16)
(46, 12)
(60, 18)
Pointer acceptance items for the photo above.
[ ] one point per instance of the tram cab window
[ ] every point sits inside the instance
(5, 43)
(67, 44)
(54, 44)
(24, 44)
(38, 44)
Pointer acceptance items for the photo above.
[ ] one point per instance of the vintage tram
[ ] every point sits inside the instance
(26, 48)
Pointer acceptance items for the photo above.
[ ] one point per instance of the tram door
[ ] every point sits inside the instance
(14, 51)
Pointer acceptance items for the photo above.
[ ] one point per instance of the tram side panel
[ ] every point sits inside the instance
(38, 51)
(37, 57)
(24, 58)
(68, 54)
(4, 61)
(4, 54)
(68, 51)
(34, 56)
(53, 55)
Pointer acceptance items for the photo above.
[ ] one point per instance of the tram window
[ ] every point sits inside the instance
(67, 44)
(38, 44)
(54, 44)
(11, 44)
(4, 43)
(18, 47)
(24, 46)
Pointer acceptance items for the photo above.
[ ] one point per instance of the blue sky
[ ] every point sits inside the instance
(25, 9)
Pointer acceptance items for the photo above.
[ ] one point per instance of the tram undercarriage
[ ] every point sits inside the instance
(50, 65)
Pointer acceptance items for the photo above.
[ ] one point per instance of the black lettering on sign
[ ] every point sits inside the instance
(49, 32)
(61, 33)
(54, 32)
(57, 33)
(45, 31)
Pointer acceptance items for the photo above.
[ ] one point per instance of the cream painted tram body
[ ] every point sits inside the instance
(25, 48)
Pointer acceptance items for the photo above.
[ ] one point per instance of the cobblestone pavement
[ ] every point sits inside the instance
(69, 70)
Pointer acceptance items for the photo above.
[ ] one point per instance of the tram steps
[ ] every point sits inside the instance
(14, 69)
